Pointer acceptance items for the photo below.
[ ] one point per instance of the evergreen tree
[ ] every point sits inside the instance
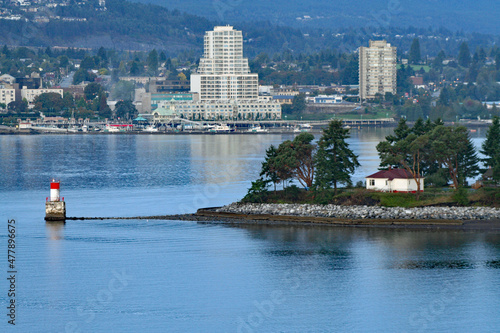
(448, 144)
(491, 146)
(429, 126)
(464, 58)
(468, 162)
(415, 55)
(419, 127)
(162, 57)
(153, 62)
(335, 162)
(6, 51)
(400, 132)
(134, 69)
(438, 61)
(269, 166)
(286, 162)
(102, 54)
(438, 122)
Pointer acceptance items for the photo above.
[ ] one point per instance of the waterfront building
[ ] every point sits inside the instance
(30, 94)
(223, 72)
(226, 88)
(229, 110)
(377, 69)
(393, 180)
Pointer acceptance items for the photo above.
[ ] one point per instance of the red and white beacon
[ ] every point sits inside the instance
(55, 207)
(55, 190)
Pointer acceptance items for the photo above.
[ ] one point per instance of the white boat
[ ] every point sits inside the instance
(300, 129)
(150, 128)
(111, 129)
(222, 128)
(257, 129)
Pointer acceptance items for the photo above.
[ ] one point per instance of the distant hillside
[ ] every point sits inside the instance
(135, 26)
(124, 25)
(471, 16)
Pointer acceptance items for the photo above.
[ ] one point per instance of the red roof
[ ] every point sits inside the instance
(392, 174)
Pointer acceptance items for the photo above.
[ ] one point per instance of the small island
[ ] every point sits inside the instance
(441, 155)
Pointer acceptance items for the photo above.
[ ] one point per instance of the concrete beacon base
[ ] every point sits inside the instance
(55, 211)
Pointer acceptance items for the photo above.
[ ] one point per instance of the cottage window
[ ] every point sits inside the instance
(372, 182)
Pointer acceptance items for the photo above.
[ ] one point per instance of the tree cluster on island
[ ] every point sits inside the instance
(430, 150)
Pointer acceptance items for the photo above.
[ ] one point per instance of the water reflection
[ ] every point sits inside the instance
(380, 248)
(55, 229)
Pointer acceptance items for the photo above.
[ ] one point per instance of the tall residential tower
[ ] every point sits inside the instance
(377, 69)
(226, 88)
(223, 73)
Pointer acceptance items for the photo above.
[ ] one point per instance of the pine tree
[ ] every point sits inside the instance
(415, 55)
(153, 62)
(269, 167)
(491, 146)
(468, 162)
(464, 58)
(335, 162)
(400, 132)
(419, 127)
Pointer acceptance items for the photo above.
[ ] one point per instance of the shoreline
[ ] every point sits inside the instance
(211, 216)
(215, 217)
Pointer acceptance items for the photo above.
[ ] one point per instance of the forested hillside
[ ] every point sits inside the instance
(133, 26)
(472, 16)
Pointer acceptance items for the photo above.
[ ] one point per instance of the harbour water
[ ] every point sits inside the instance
(174, 276)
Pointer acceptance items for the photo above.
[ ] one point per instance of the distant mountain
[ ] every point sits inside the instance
(471, 16)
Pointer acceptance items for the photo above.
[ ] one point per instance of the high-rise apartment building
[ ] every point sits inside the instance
(223, 73)
(225, 87)
(377, 69)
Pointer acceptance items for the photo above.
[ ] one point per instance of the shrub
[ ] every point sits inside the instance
(460, 197)
(257, 192)
(292, 193)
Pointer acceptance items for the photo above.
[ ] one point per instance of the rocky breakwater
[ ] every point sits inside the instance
(365, 212)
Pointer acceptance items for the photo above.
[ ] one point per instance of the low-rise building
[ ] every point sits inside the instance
(164, 114)
(284, 99)
(162, 85)
(30, 94)
(7, 96)
(393, 180)
(227, 110)
(325, 99)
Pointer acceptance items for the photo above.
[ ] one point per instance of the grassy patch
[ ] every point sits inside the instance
(359, 196)
(417, 68)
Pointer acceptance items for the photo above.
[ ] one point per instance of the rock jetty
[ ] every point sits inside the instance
(365, 212)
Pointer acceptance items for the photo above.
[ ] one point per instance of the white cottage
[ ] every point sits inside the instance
(393, 180)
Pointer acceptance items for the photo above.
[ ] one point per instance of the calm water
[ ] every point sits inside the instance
(172, 276)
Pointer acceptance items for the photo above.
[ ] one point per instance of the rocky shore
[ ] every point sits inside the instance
(365, 212)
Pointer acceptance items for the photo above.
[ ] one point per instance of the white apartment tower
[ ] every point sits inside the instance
(377, 69)
(223, 73)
